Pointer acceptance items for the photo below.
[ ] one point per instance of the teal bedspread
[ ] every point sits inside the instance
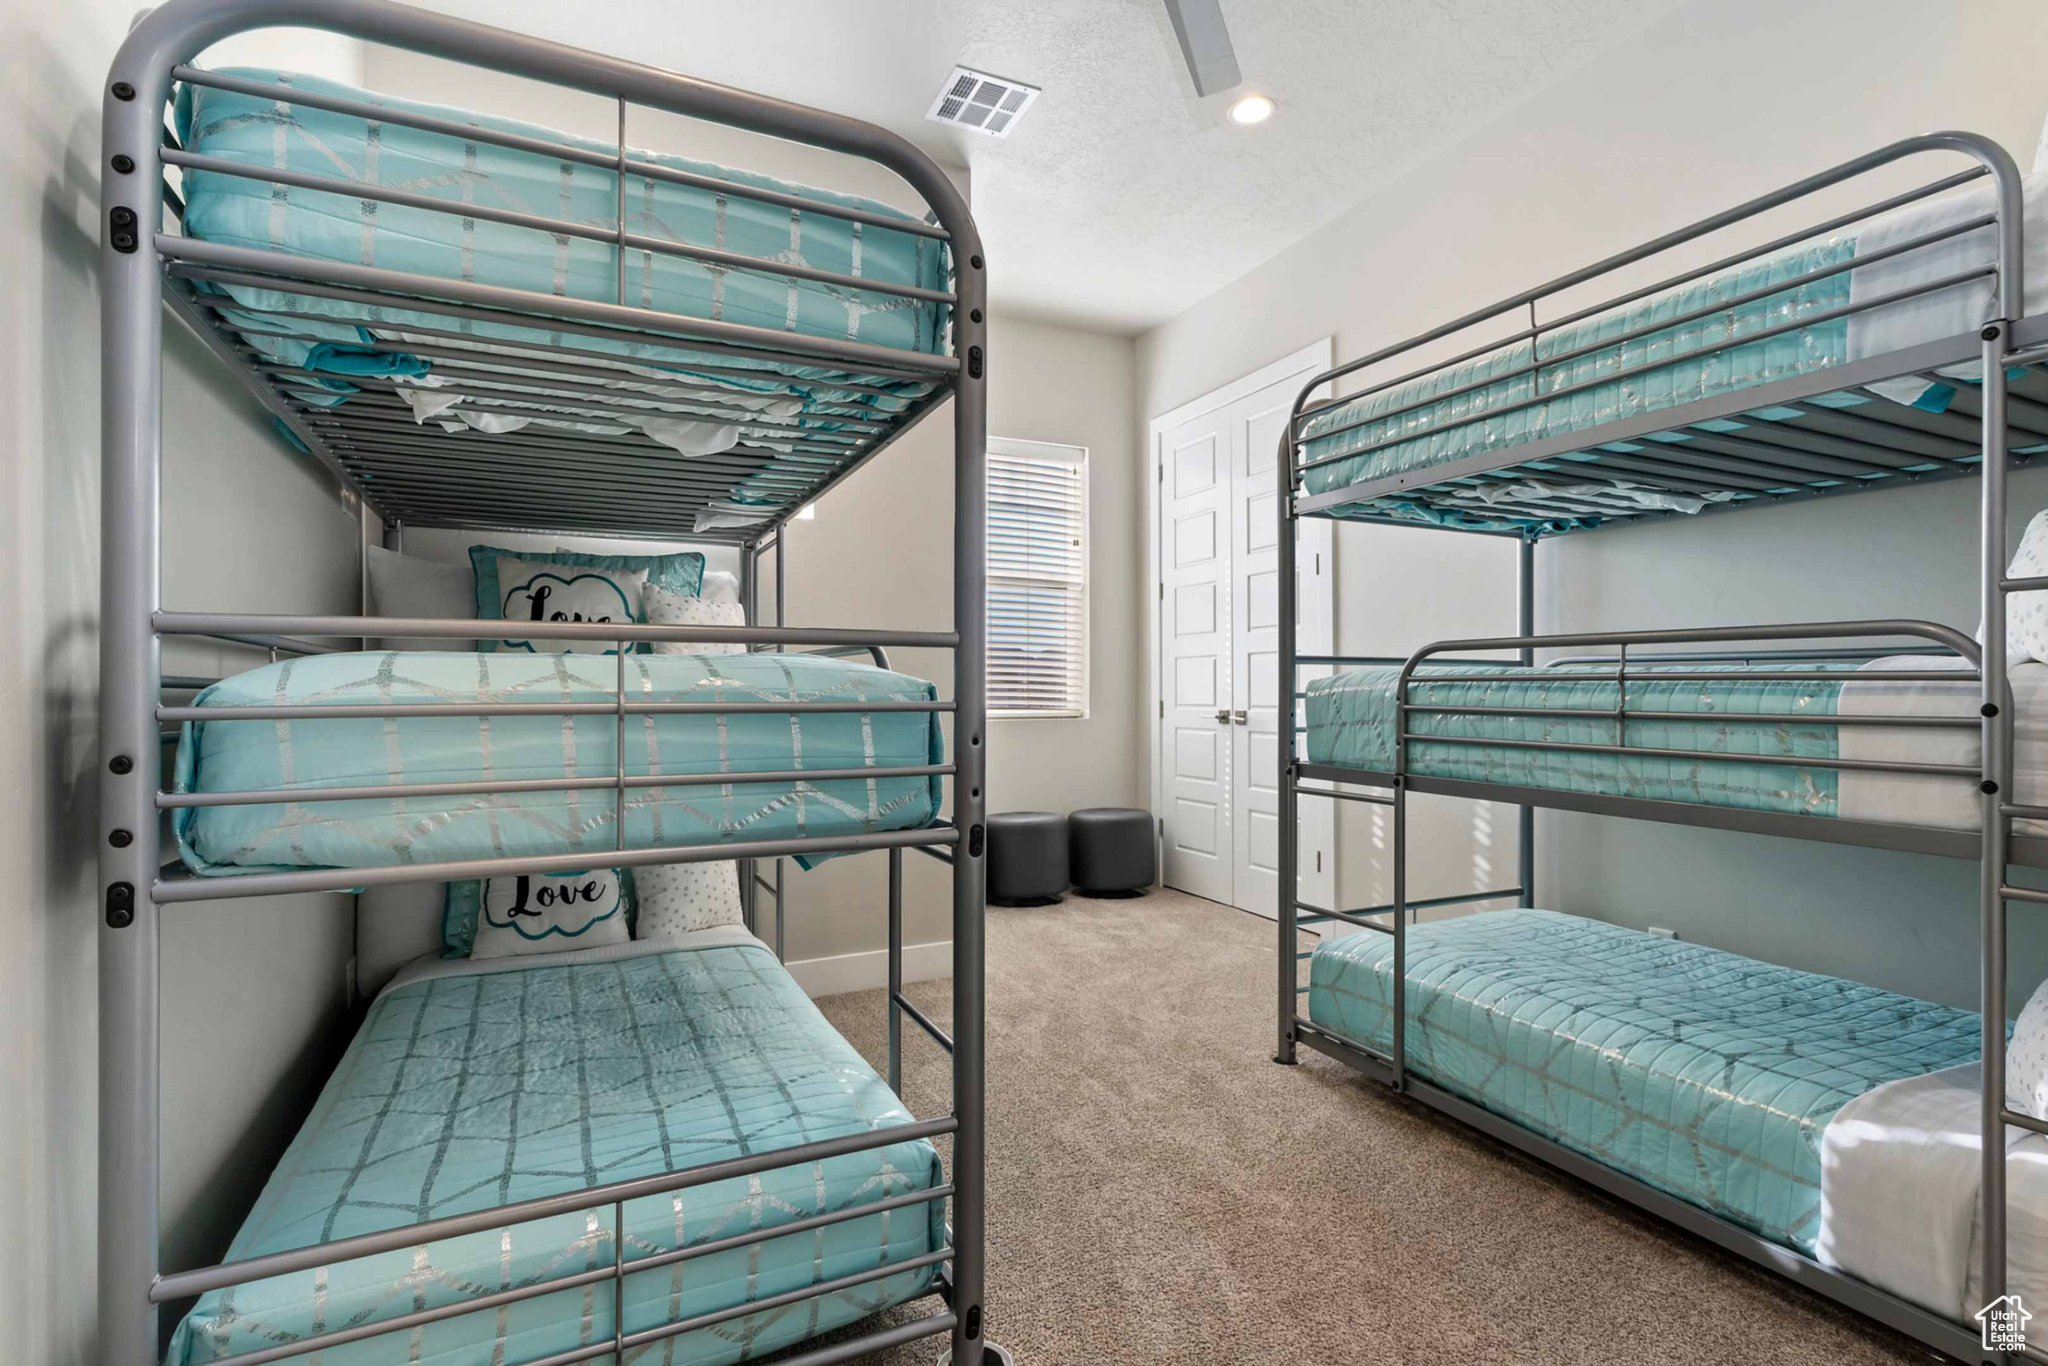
(1350, 724)
(1705, 1074)
(468, 1092)
(331, 336)
(237, 756)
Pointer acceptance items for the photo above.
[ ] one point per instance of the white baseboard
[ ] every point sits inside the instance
(861, 971)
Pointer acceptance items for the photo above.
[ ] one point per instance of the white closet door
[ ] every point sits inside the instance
(1195, 628)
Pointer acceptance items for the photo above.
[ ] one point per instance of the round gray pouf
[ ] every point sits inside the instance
(1110, 850)
(1027, 857)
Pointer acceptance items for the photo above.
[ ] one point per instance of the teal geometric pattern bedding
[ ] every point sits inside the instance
(1350, 724)
(1705, 1074)
(340, 228)
(468, 1092)
(235, 756)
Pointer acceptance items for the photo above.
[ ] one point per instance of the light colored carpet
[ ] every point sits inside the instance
(1161, 1192)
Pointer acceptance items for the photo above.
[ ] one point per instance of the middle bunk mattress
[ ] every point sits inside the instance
(1756, 743)
(305, 756)
(1707, 1075)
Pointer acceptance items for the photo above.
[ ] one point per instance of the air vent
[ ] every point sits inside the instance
(988, 104)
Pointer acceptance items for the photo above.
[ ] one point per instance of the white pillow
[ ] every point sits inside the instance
(667, 608)
(2026, 1058)
(2026, 615)
(720, 586)
(408, 586)
(676, 899)
(550, 913)
(540, 590)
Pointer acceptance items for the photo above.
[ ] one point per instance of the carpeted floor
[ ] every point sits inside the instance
(1161, 1192)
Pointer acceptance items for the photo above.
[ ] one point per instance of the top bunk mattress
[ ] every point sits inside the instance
(1795, 304)
(223, 757)
(1784, 763)
(335, 351)
(550, 1074)
(1708, 1075)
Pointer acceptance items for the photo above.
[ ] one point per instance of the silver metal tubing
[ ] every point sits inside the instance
(1438, 902)
(185, 683)
(2025, 1121)
(182, 1284)
(1721, 675)
(1370, 798)
(772, 1302)
(174, 801)
(895, 1011)
(1671, 282)
(289, 273)
(2029, 894)
(1989, 155)
(1748, 656)
(369, 710)
(922, 1021)
(1642, 751)
(1318, 913)
(1716, 717)
(1289, 753)
(1955, 641)
(179, 889)
(1762, 334)
(1537, 366)
(209, 623)
(941, 855)
(559, 227)
(542, 147)
(1525, 626)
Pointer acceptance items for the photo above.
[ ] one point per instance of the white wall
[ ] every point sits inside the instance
(253, 989)
(880, 554)
(1727, 99)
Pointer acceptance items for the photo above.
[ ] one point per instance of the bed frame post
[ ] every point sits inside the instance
(1525, 625)
(130, 752)
(749, 583)
(1997, 785)
(1288, 1000)
(970, 757)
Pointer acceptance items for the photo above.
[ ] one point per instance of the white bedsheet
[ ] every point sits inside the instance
(1920, 799)
(1899, 1181)
(1959, 308)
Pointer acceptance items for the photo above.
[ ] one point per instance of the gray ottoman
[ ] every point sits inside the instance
(1027, 857)
(1110, 851)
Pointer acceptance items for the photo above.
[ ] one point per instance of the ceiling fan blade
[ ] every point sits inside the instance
(1205, 43)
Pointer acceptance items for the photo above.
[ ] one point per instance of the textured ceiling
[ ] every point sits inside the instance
(1122, 199)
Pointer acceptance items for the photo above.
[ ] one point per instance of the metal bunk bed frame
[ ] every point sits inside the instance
(1821, 453)
(472, 481)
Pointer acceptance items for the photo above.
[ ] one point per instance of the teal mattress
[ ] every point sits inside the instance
(463, 1093)
(330, 335)
(1704, 1074)
(1351, 725)
(243, 756)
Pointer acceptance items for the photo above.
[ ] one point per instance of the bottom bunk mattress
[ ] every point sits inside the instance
(1350, 718)
(471, 1086)
(1705, 1074)
(226, 757)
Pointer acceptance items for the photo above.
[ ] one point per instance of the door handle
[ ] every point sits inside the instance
(1238, 717)
(1223, 717)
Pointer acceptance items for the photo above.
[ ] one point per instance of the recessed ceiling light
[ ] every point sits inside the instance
(1252, 109)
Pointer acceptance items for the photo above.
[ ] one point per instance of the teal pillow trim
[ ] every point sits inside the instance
(682, 572)
(466, 899)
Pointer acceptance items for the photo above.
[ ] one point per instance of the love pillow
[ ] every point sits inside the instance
(546, 912)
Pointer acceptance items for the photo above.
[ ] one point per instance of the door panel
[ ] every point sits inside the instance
(1222, 737)
(1195, 623)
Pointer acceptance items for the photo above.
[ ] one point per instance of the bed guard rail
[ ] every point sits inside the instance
(1662, 467)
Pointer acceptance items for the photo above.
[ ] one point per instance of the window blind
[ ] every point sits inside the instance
(1037, 579)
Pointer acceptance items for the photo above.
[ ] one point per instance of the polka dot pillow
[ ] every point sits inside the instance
(676, 899)
(2026, 1058)
(2026, 616)
(665, 608)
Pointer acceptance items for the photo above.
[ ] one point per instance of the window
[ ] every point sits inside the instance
(1037, 579)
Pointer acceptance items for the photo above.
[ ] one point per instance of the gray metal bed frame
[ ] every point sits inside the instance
(1821, 453)
(470, 482)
